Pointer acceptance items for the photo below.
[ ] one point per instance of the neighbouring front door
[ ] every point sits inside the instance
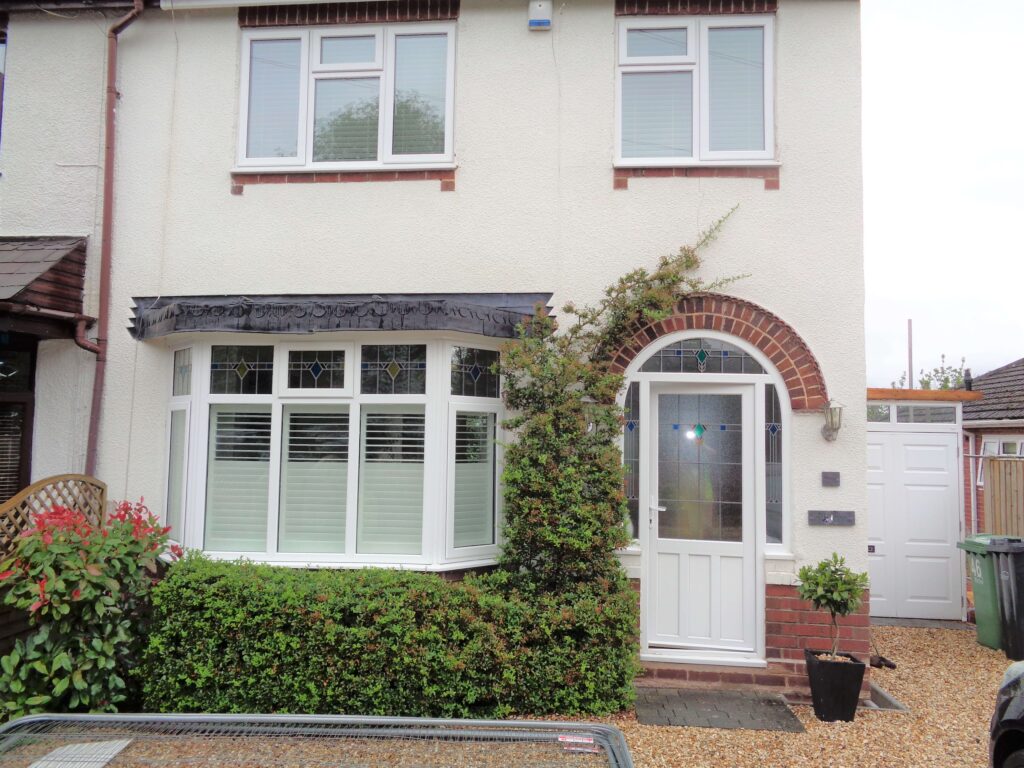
(702, 522)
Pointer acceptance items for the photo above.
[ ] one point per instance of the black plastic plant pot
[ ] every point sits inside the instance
(835, 685)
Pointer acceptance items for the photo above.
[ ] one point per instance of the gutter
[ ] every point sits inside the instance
(993, 423)
(81, 321)
(106, 243)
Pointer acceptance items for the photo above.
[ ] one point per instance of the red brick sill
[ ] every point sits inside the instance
(241, 180)
(770, 174)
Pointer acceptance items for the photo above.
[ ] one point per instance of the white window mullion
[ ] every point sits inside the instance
(195, 515)
(274, 493)
(435, 487)
(387, 107)
(355, 437)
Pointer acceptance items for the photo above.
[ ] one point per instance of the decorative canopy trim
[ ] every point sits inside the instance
(486, 314)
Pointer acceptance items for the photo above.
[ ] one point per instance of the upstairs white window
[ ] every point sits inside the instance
(695, 90)
(358, 97)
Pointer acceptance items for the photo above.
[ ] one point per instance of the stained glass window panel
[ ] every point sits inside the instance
(238, 370)
(182, 381)
(631, 456)
(773, 463)
(393, 369)
(701, 356)
(474, 372)
(700, 467)
(316, 369)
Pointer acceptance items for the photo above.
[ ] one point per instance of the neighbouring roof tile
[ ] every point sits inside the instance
(1004, 394)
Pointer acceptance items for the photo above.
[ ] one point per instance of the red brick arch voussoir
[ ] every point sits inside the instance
(778, 341)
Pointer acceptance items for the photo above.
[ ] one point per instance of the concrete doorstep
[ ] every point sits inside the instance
(701, 708)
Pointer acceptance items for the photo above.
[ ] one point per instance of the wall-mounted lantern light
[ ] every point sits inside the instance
(833, 420)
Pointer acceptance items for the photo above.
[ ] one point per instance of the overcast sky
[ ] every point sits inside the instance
(943, 183)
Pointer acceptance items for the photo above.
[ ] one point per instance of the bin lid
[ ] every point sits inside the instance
(978, 543)
(1006, 545)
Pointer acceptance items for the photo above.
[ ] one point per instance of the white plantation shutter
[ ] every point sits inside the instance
(474, 479)
(736, 89)
(237, 480)
(390, 519)
(657, 114)
(314, 479)
(174, 510)
(12, 421)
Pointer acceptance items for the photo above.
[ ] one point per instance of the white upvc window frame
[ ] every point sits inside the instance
(383, 67)
(458, 405)
(178, 403)
(437, 404)
(696, 61)
(996, 443)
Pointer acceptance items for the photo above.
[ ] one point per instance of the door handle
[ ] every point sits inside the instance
(650, 518)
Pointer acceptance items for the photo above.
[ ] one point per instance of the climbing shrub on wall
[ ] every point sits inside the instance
(563, 479)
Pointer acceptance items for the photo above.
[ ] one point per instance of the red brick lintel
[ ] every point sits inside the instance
(770, 174)
(240, 180)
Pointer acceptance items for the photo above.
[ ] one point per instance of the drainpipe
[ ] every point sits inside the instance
(81, 321)
(100, 374)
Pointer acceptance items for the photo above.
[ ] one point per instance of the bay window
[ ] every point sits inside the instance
(695, 90)
(338, 452)
(358, 97)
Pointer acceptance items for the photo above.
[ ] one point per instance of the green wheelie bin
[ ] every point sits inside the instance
(981, 569)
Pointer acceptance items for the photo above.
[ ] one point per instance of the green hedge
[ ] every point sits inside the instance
(239, 637)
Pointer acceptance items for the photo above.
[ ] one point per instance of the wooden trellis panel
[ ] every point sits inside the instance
(1004, 496)
(81, 492)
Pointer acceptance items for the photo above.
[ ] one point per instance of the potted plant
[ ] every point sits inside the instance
(835, 677)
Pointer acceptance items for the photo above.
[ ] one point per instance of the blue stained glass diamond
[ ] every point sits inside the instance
(773, 429)
(475, 373)
(630, 425)
(316, 369)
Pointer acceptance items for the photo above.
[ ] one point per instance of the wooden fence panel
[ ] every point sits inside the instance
(1004, 496)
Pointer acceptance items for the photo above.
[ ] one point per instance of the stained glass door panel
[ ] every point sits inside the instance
(702, 521)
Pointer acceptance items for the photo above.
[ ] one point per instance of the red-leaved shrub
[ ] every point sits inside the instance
(86, 588)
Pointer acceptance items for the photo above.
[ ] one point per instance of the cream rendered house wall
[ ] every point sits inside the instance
(533, 209)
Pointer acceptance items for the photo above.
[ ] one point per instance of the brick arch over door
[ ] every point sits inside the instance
(757, 326)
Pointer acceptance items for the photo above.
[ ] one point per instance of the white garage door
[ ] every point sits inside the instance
(914, 525)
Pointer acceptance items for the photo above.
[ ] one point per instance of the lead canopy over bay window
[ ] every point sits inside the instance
(336, 452)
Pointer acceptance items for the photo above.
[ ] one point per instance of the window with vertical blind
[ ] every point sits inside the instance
(356, 97)
(694, 90)
(336, 452)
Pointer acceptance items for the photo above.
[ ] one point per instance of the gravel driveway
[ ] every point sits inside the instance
(947, 680)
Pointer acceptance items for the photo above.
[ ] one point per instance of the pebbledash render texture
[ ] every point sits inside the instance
(305, 376)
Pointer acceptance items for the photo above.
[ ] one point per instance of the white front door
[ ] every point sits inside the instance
(914, 525)
(701, 571)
